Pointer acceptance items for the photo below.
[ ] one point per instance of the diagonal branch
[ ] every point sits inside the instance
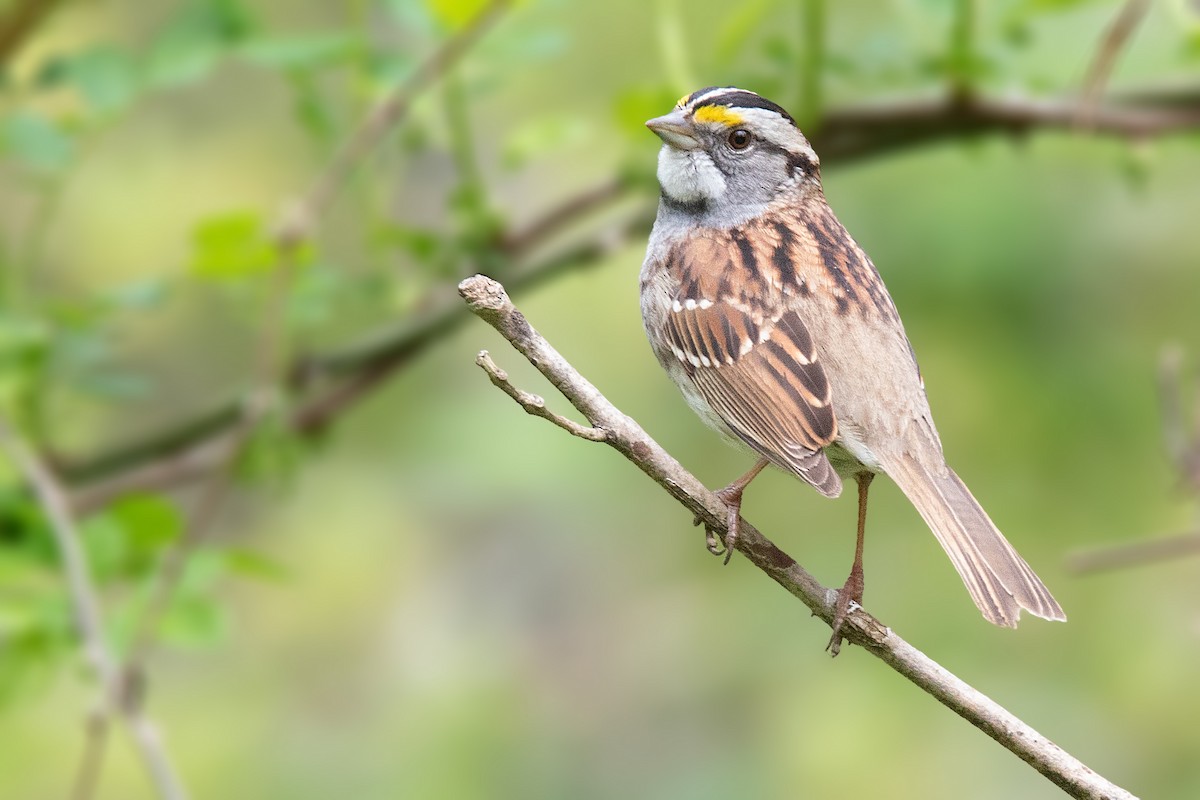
(488, 300)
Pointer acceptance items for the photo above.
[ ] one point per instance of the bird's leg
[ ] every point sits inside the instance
(852, 591)
(731, 496)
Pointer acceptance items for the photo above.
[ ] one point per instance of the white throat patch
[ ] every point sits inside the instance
(689, 176)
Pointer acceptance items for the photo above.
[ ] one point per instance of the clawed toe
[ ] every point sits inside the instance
(842, 608)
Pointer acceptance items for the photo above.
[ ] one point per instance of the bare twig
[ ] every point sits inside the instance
(534, 404)
(330, 384)
(1115, 38)
(576, 207)
(488, 300)
(88, 618)
(1135, 554)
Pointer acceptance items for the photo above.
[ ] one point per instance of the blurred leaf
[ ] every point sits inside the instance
(250, 564)
(315, 296)
(195, 616)
(104, 76)
(125, 539)
(110, 384)
(535, 138)
(273, 452)
(149, 521)
(25, 343)
(306, 51)
(735, 31)
(21, 335)
(196, 39)
(453, 14)
(634, 106)
(104, 545)
(312, 110)
(28, 657)
(139, 295)
(232, 245)
(193, 621)
(35, 141)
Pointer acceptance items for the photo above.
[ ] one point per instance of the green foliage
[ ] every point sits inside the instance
(35, 141)
(232, 245)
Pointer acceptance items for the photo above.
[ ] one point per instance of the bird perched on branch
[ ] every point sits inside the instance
(781, 335)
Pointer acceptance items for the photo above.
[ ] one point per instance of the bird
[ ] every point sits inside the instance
(781, 335)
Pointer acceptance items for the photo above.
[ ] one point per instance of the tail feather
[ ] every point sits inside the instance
(998, 579)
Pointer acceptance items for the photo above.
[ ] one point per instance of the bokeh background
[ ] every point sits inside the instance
(441, 597)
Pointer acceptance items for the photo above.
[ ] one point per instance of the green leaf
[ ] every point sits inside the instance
(149, 521)
(296, 52)
(193, 621)
(272, 454)
(533, 139)
(35, 141)
(250, 564)
(29, 656)
(634, 106)
(139, 295)
(196, 40)
(195, 617)
(735, 31)
(104, 77)
(231, 246)
(453, 14)
(126, 538)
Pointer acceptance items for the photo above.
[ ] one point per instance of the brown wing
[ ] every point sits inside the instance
(760, 373)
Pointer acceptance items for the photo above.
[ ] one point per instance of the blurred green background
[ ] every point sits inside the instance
(441, 597)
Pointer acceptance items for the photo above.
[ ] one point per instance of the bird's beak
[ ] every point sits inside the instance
(675, 131)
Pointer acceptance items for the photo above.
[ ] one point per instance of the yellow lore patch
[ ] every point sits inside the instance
(720, 114)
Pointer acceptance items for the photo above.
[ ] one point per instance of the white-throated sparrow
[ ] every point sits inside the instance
(781, 335)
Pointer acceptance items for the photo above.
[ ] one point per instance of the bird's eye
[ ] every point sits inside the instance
(740, 139)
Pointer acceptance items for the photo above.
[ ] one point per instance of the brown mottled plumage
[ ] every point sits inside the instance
(782, 336)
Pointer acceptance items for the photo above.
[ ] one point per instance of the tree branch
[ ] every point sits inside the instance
(1131, 554)
(327, 385)
(488, 300)
(114, 693)
(21, 20)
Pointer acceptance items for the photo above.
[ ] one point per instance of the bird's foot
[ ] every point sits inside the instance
(731, 496)
(849, 598)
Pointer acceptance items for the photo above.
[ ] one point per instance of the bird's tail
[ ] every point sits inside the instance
(999, 580)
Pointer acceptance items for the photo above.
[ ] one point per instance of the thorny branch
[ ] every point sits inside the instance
(326, 386)
(488, 300)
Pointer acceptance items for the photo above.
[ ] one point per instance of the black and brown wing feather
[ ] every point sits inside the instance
(752, 359)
